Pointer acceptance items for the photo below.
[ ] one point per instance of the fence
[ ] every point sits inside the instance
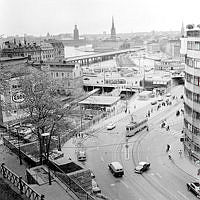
(17, 181)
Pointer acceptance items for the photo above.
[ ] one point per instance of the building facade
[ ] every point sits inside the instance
(46, 50)
(190, 49)
(69, 75)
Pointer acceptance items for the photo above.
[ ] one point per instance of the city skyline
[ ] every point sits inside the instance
(94, 16)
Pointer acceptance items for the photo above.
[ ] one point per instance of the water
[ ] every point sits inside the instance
(77, 51)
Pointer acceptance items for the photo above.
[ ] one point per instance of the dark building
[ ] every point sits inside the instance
(113, 31)
(76, 33)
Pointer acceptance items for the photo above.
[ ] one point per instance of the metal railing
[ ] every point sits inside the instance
(17, 181)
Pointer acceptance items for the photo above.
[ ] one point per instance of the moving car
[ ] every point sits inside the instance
(194, 187)
(81, 155)
(116, 169)
(111, 126)
(143, 166)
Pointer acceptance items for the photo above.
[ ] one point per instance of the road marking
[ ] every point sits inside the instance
(112, 184)
(152, 174)
(158, 175)
(125, 184)
(182, 195)
(102, 159)
(97, 148)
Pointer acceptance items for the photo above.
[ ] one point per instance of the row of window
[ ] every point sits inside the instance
(193, 62)
(195, 80)
(63, 74)
(193, 45)
(188, 110)
(192, 96)
(191, 128)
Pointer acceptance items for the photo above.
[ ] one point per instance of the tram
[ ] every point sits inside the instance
(133, 127)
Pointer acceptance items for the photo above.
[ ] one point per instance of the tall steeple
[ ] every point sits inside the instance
(113, 31)
(76, 33)
(182, 30)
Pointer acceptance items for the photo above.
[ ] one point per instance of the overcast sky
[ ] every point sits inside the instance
(37, 17)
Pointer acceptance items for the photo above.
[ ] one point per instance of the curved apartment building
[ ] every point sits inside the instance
(190, 48)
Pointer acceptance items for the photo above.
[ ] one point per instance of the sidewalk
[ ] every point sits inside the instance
(183, 162)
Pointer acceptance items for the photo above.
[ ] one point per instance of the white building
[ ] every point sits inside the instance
(190, 48)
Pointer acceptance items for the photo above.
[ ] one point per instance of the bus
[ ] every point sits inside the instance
(134, 127)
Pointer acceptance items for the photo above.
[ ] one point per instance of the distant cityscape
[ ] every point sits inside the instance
(73, 106)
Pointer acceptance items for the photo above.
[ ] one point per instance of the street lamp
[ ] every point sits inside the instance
(46, 135)
(19, 149)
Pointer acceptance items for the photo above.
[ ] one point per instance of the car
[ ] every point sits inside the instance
(168, 95)
(116, 169)
(160, 99)
(111, 126)
(194, 187)
(153, 102)
(95, 187)
(81, 155)
(88, 117)
(142, 166)
(92, 174)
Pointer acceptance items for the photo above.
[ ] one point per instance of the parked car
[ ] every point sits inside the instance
(95, 187)
(168, 95)
(160, 98)
(194, 187)
(111, 126)
(154, 102)
(81, 155)
(88, 117)
(92, 174)
(143, 166)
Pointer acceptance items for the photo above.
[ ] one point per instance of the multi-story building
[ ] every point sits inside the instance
(69, 75)
(173, 48)
(59, 51)
(190, 48)
(45, 50)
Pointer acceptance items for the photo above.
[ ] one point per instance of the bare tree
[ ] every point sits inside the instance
(43, 107)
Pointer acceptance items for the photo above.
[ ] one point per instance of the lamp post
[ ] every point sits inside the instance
(44, 136)
(19, 149)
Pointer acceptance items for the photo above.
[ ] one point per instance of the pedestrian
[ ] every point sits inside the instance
(167, 128)
(168, 147)
(180, 152)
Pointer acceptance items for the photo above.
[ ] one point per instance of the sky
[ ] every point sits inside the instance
(37, 17)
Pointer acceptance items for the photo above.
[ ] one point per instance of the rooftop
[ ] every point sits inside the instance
(100, 100)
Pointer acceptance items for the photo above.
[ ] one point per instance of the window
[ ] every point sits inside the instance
(63, 74)
(56, 74)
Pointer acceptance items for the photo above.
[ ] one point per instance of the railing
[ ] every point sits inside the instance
(17, 181)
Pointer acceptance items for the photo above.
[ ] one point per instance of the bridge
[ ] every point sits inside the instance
(99, 57)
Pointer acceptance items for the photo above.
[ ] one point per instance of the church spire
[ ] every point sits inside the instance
(113, 31)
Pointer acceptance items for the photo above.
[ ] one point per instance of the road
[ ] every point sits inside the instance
(163, 181)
